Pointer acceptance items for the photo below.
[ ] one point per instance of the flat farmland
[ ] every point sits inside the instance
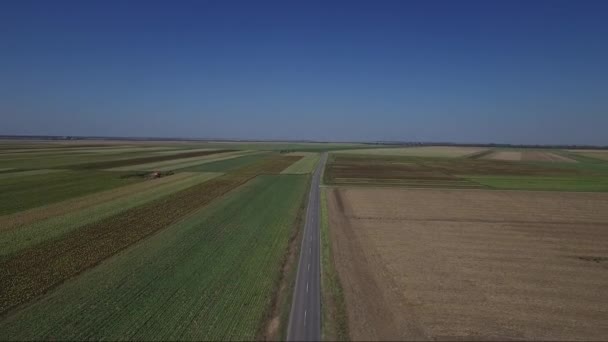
(429, 264)
(471, 172)
(161, 247)
(423, 151)
(543, 156)
(208, 277)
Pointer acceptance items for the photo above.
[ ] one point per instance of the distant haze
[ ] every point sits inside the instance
(526, 72)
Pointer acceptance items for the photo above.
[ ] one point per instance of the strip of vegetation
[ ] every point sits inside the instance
(208, 277)
(35, 270)
(22, 193)
(334, 319)
(142, 160)
(54, 227)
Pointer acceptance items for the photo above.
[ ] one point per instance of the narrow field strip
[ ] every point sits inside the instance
(54, 227)
(209, 277)
(33, 271)
(182, 166)
(22, 193)
(28, 173)
(112, 164)
(23, 218)
(180, 150)
(176, 163)
(305, 165)
(226, 164)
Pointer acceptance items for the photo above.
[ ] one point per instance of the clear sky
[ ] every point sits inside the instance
(486, 71)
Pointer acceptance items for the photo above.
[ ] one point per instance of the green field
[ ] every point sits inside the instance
(28, 191)
(96, 245)
(208, 277)
(212, 232)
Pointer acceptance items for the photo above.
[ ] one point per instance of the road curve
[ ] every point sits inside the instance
(305, 316)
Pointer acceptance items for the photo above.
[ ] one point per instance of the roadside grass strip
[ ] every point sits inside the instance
(175, 164)
(28, 173)
(22, 193)
(113, 164)
(208, 277)
(305, 165)
(33, 271)
(15, 240)
(334, 322)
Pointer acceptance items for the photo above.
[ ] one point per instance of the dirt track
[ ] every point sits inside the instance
(472, 264)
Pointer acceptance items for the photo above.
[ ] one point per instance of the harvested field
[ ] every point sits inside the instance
(423, 151)
(546, 156)
(33, 271)
(504, 155)
(599, 154)
(471, 264)
(209, 277)
(305, 165)
(533, 156)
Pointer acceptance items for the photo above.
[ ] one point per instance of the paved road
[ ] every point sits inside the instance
(305, 316)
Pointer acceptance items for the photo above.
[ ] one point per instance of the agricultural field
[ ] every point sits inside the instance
(495, 245)
(475, 171)
(418, 264)
(528, 156)
(152, 241)
(594, 154)
(421, 151)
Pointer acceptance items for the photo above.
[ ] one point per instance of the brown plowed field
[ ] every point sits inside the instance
(34, 271)
(471, 264)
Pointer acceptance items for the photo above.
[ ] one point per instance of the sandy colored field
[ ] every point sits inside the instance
(504, 155)
(423, 151)
(528, 156)
(471, 264)
(305, 165)
(599, 154)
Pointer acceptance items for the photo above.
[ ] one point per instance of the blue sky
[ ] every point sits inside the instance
(462, 71)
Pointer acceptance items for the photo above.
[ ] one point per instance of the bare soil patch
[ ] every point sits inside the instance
(471, 264)
(545, 156)
(504, 155)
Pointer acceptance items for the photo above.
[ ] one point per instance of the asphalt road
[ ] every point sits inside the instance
(305, 316)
